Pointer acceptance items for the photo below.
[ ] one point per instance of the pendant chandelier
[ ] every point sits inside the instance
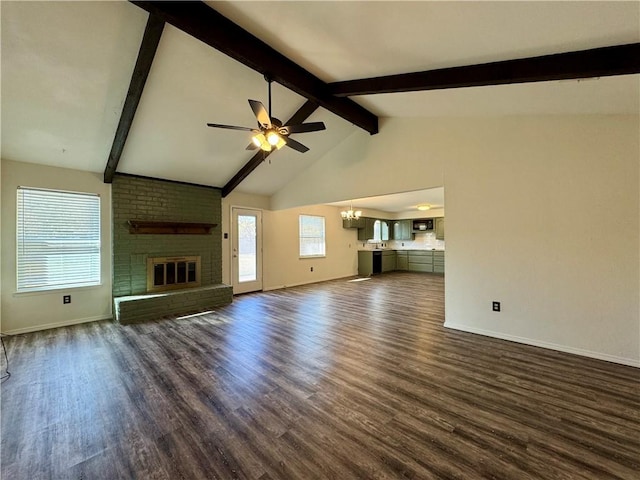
(351, 214)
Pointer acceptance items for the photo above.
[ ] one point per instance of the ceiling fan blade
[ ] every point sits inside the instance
(231, 127)
(291, 143)
(261, 113)
(303, 127)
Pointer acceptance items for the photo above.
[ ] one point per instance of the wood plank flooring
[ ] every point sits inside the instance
(337, 380)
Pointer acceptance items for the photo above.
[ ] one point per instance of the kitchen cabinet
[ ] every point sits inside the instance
(366, 233)
(402, 260)
(402, 230)
(438, 261)
(420, 261)
(372, 226)
(371, 262)
(365, 263)
(388, 260)
(353, 223)
(440, 228)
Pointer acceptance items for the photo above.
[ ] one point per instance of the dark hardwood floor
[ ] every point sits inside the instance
(337, 380)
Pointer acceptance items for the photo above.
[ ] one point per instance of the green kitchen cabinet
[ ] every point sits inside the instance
(440, 228)
(402, 260)
(366, 233)
(388, 261)
(365, 263)
(420, 261)
(371, 226)
(353, 223)
(402, 230)
(438, 261)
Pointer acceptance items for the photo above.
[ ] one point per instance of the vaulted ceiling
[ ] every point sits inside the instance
(67, 67)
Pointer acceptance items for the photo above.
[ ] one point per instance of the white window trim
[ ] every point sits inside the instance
(324, 237)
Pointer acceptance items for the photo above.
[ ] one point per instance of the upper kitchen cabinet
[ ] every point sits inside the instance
(366, 232)
(440, 228)
(374, 229)
(353, 223)
(402, 230)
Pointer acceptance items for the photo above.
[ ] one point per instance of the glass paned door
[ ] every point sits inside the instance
(247, 250)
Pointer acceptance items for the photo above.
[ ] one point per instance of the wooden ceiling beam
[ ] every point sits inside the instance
(207, 25)
(596, 62)
(300, 116)
(148, 47)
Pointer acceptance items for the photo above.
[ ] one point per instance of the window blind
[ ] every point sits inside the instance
(58, 239)
(312, 237)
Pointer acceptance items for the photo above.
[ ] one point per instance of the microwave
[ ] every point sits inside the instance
(423, 225)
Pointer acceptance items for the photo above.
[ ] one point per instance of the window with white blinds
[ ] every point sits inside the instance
(58, 239)
(312, 242)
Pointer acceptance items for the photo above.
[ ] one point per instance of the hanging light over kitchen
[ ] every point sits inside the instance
(351, 214)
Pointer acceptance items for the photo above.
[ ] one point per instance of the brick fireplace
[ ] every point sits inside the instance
(167, 249)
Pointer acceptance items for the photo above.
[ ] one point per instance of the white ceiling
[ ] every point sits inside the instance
(398, 202)
(66, 68)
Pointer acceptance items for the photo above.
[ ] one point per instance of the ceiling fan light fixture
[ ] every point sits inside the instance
(275, 139)
(270, 132)
(259, 140)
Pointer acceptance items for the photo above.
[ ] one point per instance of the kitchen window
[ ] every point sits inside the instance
(380, 231)
(58, 239)
(312, 239)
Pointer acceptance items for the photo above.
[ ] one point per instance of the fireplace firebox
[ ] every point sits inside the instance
(171, 273)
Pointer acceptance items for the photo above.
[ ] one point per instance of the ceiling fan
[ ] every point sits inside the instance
(271, 133)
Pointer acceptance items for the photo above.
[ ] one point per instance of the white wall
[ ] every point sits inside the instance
(542, 215)
(282, 266)
(36, 311)
(407, 154)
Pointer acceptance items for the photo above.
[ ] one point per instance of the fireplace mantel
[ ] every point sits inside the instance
(170, 228)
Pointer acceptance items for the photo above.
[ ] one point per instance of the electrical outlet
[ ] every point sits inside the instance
(66, 299)
(312, 269)
(496, 306)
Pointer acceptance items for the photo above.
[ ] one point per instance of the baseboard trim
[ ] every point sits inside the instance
(279, 287)
(49, 326)
(551, 346)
